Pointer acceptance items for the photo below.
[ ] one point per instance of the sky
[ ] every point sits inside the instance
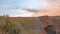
(21, 3)
(15, 8)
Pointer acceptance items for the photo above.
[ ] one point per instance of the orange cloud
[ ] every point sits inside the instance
(50, 11)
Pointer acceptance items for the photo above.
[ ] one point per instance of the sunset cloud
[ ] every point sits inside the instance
(50, 11)
(14, 8)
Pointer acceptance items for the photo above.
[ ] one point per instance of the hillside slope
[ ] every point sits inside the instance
(28, 25)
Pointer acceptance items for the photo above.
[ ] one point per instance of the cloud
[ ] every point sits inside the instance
(50, 11)
(46, 7)
(16, 12)
(22, 13)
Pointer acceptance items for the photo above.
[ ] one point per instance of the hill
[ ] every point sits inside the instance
(29, 25)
